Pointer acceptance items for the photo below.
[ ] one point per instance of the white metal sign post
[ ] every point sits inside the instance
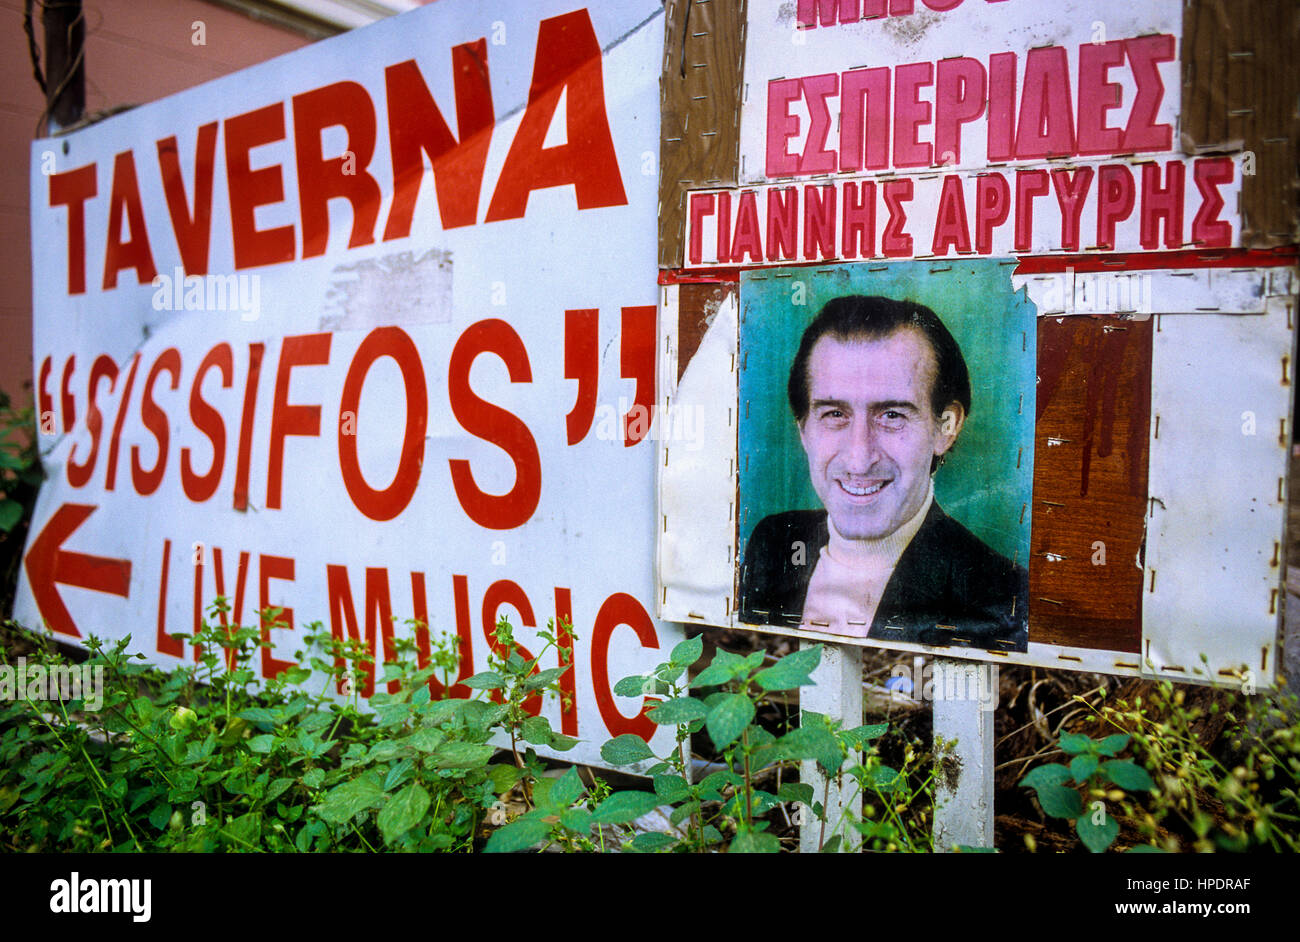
(963, 756)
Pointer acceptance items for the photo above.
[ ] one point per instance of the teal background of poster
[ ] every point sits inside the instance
(987, 481)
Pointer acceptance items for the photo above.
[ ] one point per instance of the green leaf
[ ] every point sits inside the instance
(403, 811)
(245, 832)
(795, 791)
(728, 719)
(313, 778)
(463, 755)
(651, 841)
(682, 812)
(1144, 849)
(688, 652)
(518, 835)
(1081, 767)
(537, 730)
(622, 807)
(1075, 743)
(399, 774)
(711, 786)
(426, 740)
(567, 789)
(885, 779)
(1051, 774)
(855, 738)
(754, 842)
(576, 819)
(262, 745)
(715, 675)
(1096, 837)
(812, 742)
(10, 513)
(160, 815)
(625, 749)
(1113, 745)
(791, 671)
(350, 798)
(678, 711)
(1128, 775)
(484, 680)
(563, 743)
(671, 788)
(503, 777)
(258, 715)
(1060, 801)
(545, 678)
(276, 789)
(630, 686)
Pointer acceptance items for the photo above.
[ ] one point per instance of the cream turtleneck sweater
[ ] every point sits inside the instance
(851, 575)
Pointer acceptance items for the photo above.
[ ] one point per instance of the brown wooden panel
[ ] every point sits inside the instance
(700, 92)
(1240, 85)
(1090, 482)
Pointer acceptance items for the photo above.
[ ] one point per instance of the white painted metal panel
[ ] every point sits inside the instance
(1137, 293)
(697, 472)
(1220, 437)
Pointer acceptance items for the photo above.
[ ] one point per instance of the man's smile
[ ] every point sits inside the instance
(868, 487)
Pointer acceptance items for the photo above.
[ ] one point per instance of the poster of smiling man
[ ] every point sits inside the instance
(886, 453)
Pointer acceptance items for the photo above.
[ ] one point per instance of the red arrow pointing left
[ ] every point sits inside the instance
(49, 565)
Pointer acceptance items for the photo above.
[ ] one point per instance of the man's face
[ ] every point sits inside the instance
(871, 433)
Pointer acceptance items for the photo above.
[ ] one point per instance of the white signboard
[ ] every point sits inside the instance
(943, 128)
(366, 333)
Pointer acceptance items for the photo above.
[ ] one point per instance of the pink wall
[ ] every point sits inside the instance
(136, 51)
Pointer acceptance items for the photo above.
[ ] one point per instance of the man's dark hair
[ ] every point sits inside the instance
(862, 317)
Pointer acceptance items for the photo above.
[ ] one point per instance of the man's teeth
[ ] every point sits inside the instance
(863, 490)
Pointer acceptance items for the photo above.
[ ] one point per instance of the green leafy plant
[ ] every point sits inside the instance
(1094, 766)
(1237, 793)
(20, 467)
(728, 807)
(205, 757)
(210, 757)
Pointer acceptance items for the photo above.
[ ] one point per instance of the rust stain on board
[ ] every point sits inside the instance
(1090, 482)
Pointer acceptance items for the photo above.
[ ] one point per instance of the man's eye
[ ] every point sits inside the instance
(892, 419)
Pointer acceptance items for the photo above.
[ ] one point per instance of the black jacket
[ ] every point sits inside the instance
(948, 588)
